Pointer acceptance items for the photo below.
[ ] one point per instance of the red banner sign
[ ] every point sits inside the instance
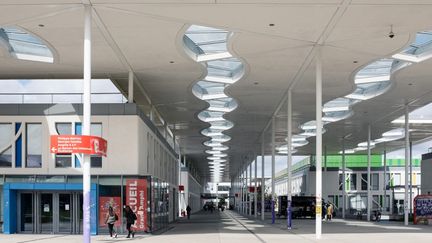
(104, 204)
(136, 198)
(68, 144)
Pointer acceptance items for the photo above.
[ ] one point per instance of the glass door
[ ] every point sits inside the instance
(46, 213)
(26, 213)
(77, 213)
(65, 213)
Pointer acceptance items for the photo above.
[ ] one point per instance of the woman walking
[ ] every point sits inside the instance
(130, 220)
(110, 220)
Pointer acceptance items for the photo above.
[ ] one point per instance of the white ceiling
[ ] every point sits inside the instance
(146, 35)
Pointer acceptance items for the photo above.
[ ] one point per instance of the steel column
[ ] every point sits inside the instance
(318, 152)
(86, 121)
(407, 156)
(369, 199)
(273, 165)
(262, 179)
(289, 158)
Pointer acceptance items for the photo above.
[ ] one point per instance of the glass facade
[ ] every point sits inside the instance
(147, 196)
(63, 160)
(34, 145)
(6, 131)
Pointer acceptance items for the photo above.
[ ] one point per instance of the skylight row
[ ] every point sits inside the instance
(209, 46)
(392, 135)
(371, 81)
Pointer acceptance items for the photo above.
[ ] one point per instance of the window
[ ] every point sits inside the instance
(63, 160)
(376, 204)
(396, 181)
(353, 182)
(34, 145)
(364, 182)
(6, 137)
(418, 183)
(96, 130)
(375, 181)
(387, 181)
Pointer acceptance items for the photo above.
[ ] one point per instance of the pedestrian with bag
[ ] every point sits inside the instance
(111, 218)
(130, 220)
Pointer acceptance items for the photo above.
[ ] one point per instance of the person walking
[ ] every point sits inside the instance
(329, 211)
(188, 210)
(130, 220)
(111, 218)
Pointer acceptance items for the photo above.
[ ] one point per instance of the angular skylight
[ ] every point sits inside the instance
(209, 46)
(418, 51)
(25, 46)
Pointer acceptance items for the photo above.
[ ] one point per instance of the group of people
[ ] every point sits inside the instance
(209, 206)
(112, 217)
(327, 211)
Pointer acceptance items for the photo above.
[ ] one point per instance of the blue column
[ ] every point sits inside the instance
(10, 210)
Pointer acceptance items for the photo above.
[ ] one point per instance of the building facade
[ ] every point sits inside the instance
(41, 192)
(387, 183)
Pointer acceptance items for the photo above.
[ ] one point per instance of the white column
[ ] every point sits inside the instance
(369, 199)
(318, 151)
(273, 168)
(241, 190)
(406, 164)
(250, 185)
(255, 189)
(86, 121)
(343, 179)
(262, 179)
(130, 87)
(385, 181)
(244, 192)
(410, 179)
(289, 155)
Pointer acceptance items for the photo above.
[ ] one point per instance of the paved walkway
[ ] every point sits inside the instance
(230, 227)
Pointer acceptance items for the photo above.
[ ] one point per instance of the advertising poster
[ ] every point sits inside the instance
(136, 198)
(104, 203)
(423, 209)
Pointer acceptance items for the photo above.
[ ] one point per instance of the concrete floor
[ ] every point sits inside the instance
(231, 227)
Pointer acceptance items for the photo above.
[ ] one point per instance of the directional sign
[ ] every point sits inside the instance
(68, 144)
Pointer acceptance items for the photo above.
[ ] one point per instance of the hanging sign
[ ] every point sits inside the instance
(68, 144)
